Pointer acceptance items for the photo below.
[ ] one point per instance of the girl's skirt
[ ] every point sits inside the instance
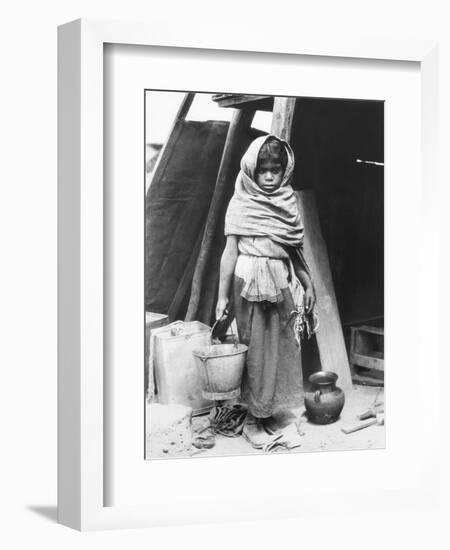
(272, 379)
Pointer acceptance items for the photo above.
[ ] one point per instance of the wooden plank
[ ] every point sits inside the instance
(359, 322)
(365, 380)
(174, 134)
(208, 300)
(371, 330)
(283, 115)
(367, 361)
(239, 101)
(185, 282)
(352, 347)
(239, 124)
(330, 338)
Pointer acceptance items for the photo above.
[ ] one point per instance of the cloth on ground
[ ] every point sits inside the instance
(288, 438)
(227, 420)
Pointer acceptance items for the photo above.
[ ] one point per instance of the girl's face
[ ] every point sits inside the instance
(269, 175)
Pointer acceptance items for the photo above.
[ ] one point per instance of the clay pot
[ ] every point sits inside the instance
(326, 401)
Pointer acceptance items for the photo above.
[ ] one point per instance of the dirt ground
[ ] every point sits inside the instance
(315, 437)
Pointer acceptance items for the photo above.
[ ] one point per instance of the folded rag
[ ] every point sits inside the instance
(286, 439)
(228, 420)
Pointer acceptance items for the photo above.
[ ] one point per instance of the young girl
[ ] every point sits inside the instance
(263, 263)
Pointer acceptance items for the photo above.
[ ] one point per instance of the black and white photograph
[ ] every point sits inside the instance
(264, 274)
(230, 206)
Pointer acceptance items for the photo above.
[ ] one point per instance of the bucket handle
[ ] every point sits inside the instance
(233, 335)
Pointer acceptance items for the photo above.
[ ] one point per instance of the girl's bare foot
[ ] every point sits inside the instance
(254, 432)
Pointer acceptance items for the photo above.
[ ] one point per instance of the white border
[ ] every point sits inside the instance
(81, 268)
(127, 72)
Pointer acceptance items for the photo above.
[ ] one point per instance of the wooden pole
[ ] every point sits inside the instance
(329, 337)
(174, 134)
(241, 121)
(207, 303)
(185, 282)
(283, 115)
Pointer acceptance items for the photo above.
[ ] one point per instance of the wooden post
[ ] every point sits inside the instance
(240, 122)
(174, 134)
(329, 337)
(185, 282)
(283, 115)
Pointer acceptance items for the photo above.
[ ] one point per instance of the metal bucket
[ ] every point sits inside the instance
(221, 367)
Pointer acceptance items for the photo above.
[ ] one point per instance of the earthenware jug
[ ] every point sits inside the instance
(326, 401)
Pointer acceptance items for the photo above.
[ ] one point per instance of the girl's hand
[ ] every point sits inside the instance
(221, 307)
(309, 299)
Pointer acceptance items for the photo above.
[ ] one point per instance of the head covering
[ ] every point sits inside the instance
(254, 212)
(272, 150)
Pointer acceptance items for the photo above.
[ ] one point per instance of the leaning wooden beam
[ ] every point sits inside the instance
(174, 134)
(329, 337)
(283, 115)
(239, 124)
(208, 300)
(242, 101)
(185, 282)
